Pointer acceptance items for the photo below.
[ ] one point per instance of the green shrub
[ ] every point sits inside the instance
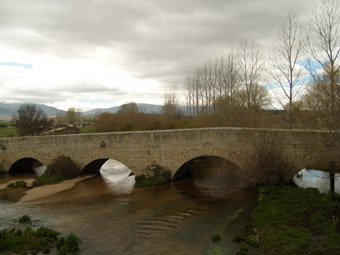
(244, 250)
(18, 184)
(25, 219)
(216, 251)
(239, 238)
(68, 245)
(41, 240)
(252, 241)
(28, 241)
(216, 237)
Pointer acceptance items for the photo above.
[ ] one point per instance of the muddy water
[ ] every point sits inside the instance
(111, 216)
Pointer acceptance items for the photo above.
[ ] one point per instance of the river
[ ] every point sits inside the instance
(112, 216)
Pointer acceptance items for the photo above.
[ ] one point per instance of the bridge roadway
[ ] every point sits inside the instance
(169, 149)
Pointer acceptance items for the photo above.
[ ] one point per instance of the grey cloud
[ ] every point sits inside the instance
(162, 40)
(89, 88)
(60, 94)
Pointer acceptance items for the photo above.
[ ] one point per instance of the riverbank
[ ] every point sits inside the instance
(49, 190)
(291, 220)
(31, 193)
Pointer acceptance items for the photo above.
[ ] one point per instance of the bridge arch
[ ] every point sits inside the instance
(191, 154)
(95, 166)
(95, 163)
(185, 167)
(24, 164)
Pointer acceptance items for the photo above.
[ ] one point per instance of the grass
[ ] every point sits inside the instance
(292, 220)
(89, 129)
(8, 131)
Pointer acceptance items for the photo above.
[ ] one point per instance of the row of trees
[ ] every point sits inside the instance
(225, 86)
(240, 80)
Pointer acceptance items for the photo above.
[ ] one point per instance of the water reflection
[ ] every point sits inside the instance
(211, 179)
(117, 177)
(316, 179)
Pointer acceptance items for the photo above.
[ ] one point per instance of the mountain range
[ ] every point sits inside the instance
(7, 110)
(146, 108)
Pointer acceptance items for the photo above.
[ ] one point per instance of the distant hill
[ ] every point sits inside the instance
(9, 109)
(146, 108)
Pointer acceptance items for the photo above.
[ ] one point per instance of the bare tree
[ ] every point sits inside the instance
(288, 50)
(31, 120)
(324, 42)
(170, 109)
(250, 69)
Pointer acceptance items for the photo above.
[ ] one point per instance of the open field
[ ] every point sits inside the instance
(89, 129)
(8, 131)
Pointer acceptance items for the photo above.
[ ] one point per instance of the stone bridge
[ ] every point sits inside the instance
(169, 149)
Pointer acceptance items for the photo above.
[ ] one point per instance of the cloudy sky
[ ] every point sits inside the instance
(101, 53)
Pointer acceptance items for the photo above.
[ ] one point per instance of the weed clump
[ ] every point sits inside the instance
(18, 184)
(68, 245)
(216, 237)
(25, 219)
(157, 176)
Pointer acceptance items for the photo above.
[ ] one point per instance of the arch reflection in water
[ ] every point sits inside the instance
(117, 177)
(210, 178)
(312, 178)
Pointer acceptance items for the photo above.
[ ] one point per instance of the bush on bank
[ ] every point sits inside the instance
(62, 168)
(156, 176)
(41, 240)
(291, 220)
(267, 164)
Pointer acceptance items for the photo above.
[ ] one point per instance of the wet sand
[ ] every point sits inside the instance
(48, 190)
